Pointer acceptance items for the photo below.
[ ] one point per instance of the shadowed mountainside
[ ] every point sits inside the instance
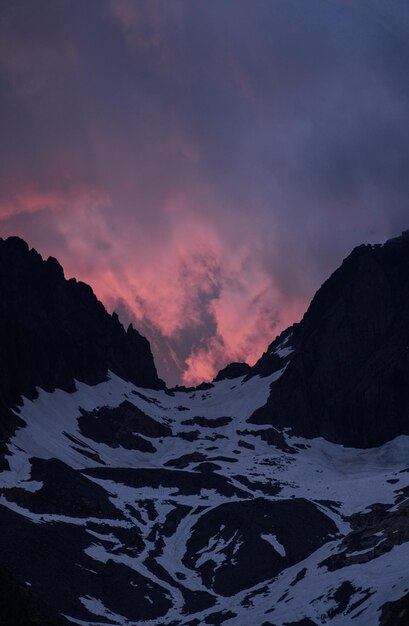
(54, 330)
(348, 376)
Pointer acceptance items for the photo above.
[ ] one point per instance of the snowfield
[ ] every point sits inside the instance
(187, 514)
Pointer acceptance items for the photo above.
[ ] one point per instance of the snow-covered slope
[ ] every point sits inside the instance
(128, 506)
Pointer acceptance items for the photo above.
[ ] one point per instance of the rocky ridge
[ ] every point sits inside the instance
(348, 376)
(54, 331)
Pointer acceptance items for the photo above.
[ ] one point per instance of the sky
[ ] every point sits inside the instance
(204, 164)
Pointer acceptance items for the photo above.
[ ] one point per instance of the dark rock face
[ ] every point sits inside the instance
(54, 330)
(396, 613)
(373, 533)
(348, 379)
(206, 422)
(233, 370)
(272, 360)
(240, 531)
(45, 316)
(68, 572)
(64, 491)
(122, 426)
(271, 436)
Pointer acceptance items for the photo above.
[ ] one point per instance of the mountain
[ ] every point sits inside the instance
(276, 495)
(54, 331)
(348, 376)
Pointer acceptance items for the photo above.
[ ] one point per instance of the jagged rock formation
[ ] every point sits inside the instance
(348, 376)
(233, 370)
(54, 330)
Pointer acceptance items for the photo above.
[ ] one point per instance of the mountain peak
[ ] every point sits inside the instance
(401, 240)
(15, 244)
(54, 331)
(348, 379)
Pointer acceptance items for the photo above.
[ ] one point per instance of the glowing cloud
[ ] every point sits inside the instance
(203, 165)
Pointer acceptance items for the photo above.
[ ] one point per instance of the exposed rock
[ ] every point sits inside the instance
(54, 330)
(206, 422)
(184, 389)
(240, 534)
(275, 357)
(64, 491)
(185, 460)
(272, 436)
(190, 435)
(373, 534)
(348, 378)
(395, 613)
(233, 370)
(117, 426)
(69, 571)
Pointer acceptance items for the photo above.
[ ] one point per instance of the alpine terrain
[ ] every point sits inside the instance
(276, 495)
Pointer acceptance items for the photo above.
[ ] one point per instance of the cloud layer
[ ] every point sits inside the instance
(204, 165)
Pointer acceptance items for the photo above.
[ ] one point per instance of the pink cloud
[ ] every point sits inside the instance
(30, 200)
(193, 271)
(249, 313)
(193, 275)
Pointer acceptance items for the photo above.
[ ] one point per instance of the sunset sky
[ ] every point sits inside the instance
(204, 164)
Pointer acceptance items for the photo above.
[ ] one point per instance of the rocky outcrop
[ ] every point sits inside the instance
(395, 613)
(348, 379)
(269, 535)
(276, 356)
(53, 331)
(233, 370)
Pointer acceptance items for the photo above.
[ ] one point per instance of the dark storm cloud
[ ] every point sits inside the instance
(206, 164)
